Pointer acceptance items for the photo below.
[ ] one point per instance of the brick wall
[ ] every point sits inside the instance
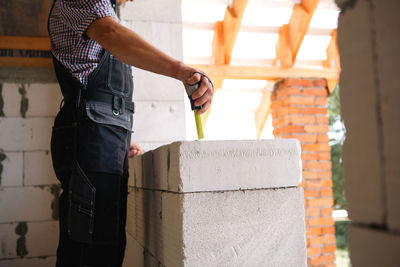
(299, 110)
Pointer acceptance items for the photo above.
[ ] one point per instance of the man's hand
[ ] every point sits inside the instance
(203, 95)
(134, 149)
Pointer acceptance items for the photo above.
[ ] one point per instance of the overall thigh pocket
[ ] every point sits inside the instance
(106, 148)
(81, 212)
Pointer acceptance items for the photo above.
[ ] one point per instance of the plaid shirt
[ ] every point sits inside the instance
(68, 23)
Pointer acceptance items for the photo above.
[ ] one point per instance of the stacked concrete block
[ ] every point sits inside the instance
(217, 203)
(368, 43)
(387, 43)
(299, 110)
(160, 109)
(363, 137)
(29, 190)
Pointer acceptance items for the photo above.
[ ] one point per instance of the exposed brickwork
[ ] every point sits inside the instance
(299, 110)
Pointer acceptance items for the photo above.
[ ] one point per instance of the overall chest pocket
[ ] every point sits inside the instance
(119, 79)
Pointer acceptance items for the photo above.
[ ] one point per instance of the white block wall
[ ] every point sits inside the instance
(368, 44)
(159, 100)
(29, 190)
(217, 203)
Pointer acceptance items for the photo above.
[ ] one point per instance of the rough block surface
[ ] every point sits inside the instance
(166, 11)
(166, 123)
(28, 204)
(19, 134)
(235, 228)
(21, 239)
(31, 262)
(12, 174)
(372, 247)
(38, 169)
(388, 58)
(219, 165)
(364, 186)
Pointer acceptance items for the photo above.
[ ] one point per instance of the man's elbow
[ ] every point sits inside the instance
(103, 31)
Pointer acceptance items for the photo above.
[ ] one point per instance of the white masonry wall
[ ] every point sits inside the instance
(370, 98)
(29, 101)
(159, 100)
(28, 188)
(217, 203)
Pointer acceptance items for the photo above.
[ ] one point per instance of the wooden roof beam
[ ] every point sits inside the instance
(262, 112)
(264, 73)
(291, 35)
(225, 34)
(333, 59)
(25, 43)
(226, 31)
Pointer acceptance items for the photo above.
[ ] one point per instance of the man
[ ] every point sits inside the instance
(91, 138)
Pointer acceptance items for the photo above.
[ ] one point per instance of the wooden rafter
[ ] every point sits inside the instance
(25, 43)
(291, 35)
(262, 112)
(333, 59)
(225, 34)
(264, 73)
(230, 27)
(30, 62)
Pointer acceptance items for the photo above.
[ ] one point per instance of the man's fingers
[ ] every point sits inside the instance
(205, 107)
(204, 98)
(195, 78)
(204, 87)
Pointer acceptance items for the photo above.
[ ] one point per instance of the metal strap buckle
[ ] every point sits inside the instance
(118, 105)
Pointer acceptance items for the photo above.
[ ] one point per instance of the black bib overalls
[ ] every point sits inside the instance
(90, 147)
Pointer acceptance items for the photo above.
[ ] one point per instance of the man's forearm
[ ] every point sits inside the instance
(132, 49)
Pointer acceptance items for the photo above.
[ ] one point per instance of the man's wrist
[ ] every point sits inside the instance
(180, 71)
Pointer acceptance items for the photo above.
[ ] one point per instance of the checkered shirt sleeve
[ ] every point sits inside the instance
(68, 23)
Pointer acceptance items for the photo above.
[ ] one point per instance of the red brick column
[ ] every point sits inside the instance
(299, 110)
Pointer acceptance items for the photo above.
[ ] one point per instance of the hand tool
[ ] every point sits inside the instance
(191, 89)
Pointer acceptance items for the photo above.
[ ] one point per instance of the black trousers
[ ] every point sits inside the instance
(91, 162)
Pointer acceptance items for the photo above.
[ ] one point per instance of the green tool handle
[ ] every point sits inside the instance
(199, 126)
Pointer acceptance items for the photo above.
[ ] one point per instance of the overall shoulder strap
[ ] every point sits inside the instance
(114, 5)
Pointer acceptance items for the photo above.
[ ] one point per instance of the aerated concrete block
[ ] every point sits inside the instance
(31, 100)
(32, 239)
(372, 247)
(138, 256)
(38, 169)
(234, 228)
(12, 99)
(28, 204)
(31, 262)
(44, 99)
(154, 87)
(12, 174)
(166, 11)
(222, 165)
(388, 43)
(166, 36)
(19, 134)
(361, 152)
(192, 204)
(158, 121)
